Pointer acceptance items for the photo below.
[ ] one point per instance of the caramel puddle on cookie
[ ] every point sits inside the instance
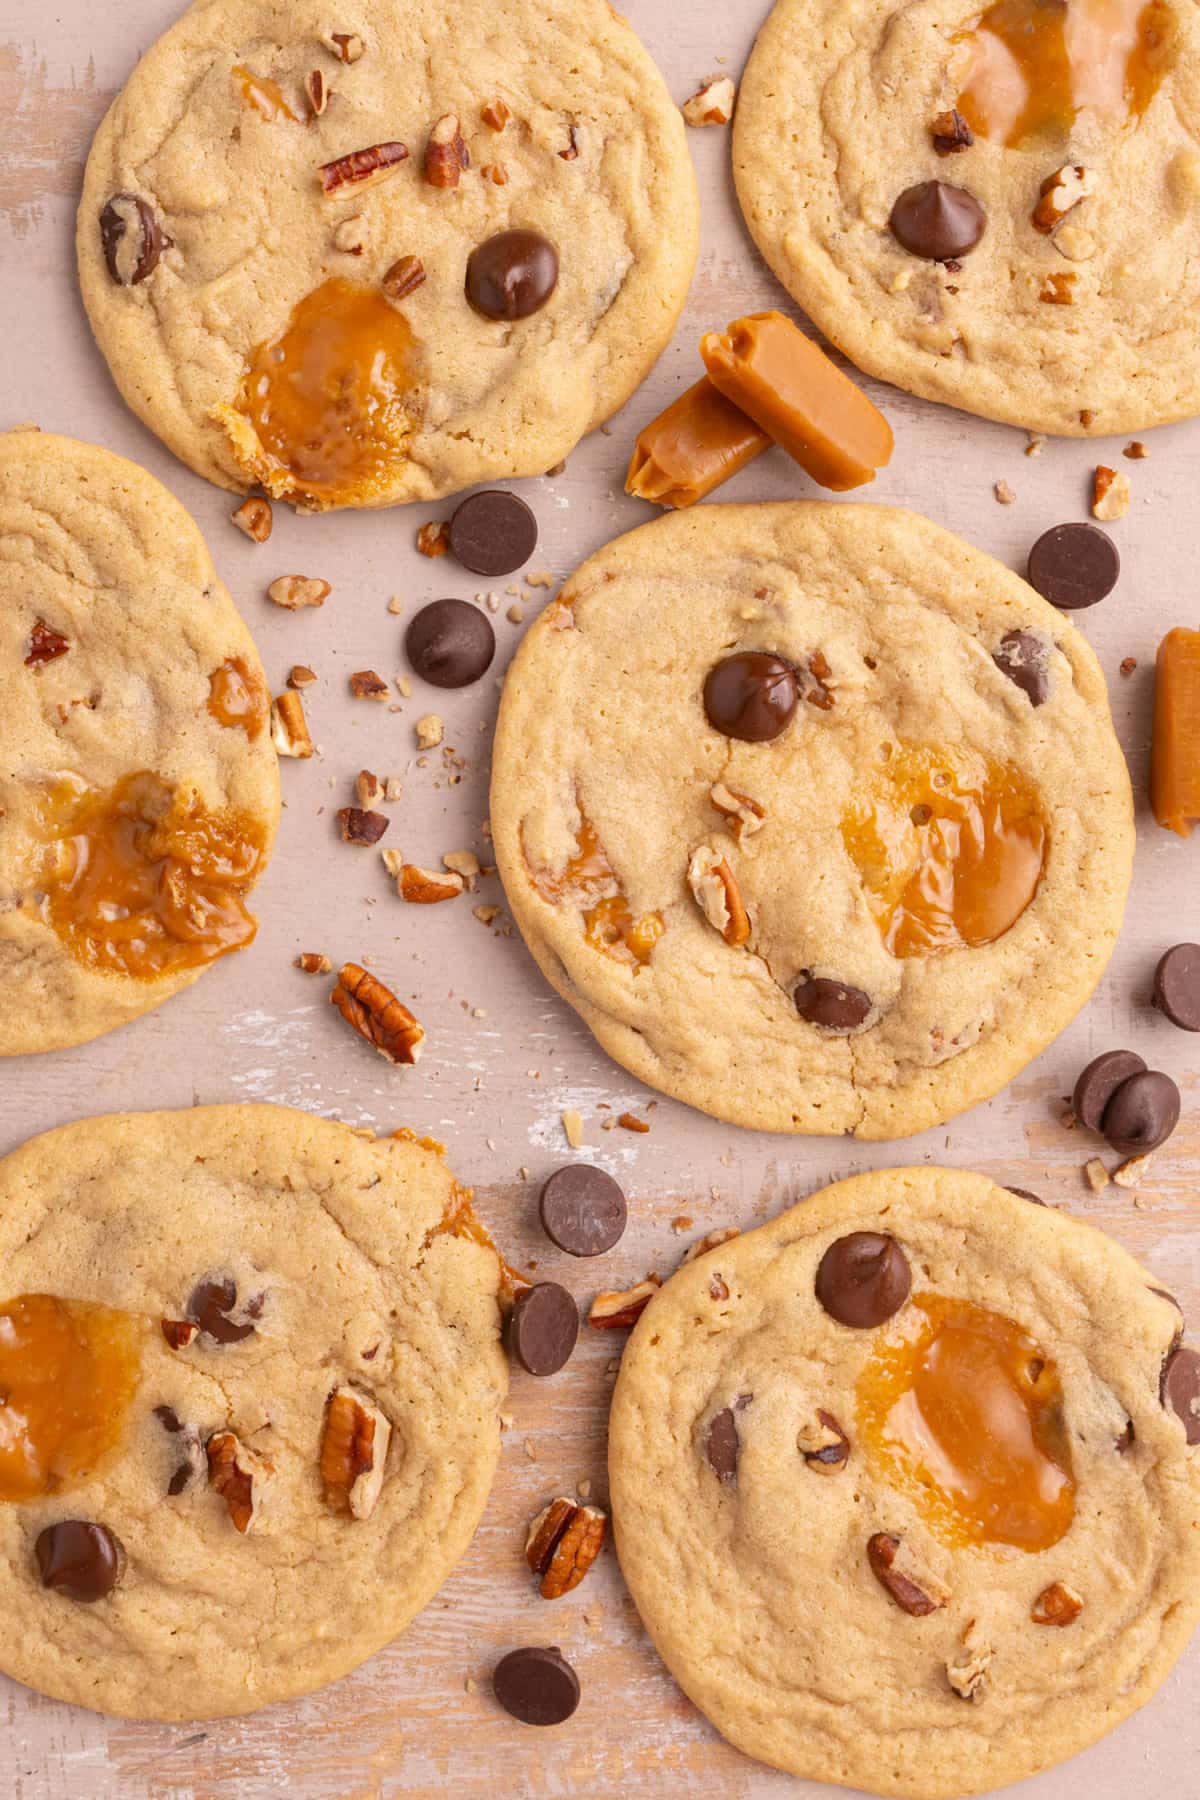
(326, 399)
(142, 881)
(264, 95)
(68, 1374)
(608, 921)
(462, 1221)
(950, 853)
(237, 698)
(1034, 65)
(963, 1413)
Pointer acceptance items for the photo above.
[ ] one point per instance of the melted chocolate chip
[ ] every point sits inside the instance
(831, 1004)
(79, 1559)
(210, 1307)
(450, 643)
(493, 533)
(722, 1445)
(543, 1328)
(937, 221)
(1181, 1389)
(863, 1279)
(751, 696)
(1177, 986)
(1100, 1081)
(512, 275)
(583, 1210)
(1022, 657)
(537, 1686)
(1142, 1113)
(132, 239)
(1073, 566)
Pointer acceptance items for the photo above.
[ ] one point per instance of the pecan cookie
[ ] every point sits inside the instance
(993, 205)
(814, 813)
(906, 1485)
(139, 792)
(378, 254)
(250, 1372)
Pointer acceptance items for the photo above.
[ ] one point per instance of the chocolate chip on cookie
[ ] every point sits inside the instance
(1100, 1081)
(537, 1686)
(1073, 566)
(82, 1560)
(583, 1210)
(722, 1445)
(132, 239)
(543, 1328)
(1142, 1113)
(512, 275)
(863, 1279)
(830, 1004)
(937, 221)
(751, 695)
(1022, 657)
(450, 643)
(493, 533)
(1181, 1389)
(211, 1307)
(1177, 986)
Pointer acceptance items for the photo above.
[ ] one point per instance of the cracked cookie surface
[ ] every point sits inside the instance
(878, 901)
(569, 132)
(323, 1263)
(925, 1590)
(1075, 323)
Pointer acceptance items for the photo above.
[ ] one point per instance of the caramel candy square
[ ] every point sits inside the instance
(1175, 760)
(697, 443)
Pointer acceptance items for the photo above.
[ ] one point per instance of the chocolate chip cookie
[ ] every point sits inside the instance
(380, 254)
(139, 792)
(814, 813)
(906, 1485)
(993, 205)
(250, 1373)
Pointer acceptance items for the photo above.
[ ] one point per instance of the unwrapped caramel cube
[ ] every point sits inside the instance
(692, 447)
(778, 377)
(1175, 761)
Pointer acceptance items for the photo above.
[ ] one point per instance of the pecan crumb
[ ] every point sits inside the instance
(365, 684)
(313, 963)
(495, 115)
(45, 645)
(295, 591)
(1110, 493)
(916, 1591)
(352, 236)
(289, 727)
(1097, 1175)
(1128, 664)
(368, 789)
(374, 1012)
(823, 1444)
(496, 173)
(1059, 193)
(1057, 1604)
(1057, 288)
(426, 887)
(255, 518)
(301, 676)
(717, 894)
(429, 731)
(239, 1476)
(713, 105)
(316, 92)
(951, 133)
(1136, 451)
(571, 152)
(631, 1122)
(616, 1311)
(359, 827)
(433, 538)
(347, 46)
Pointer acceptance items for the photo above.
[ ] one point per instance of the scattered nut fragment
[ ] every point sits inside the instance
(360, 827)
(404, 278)
(433, 538)
(951, 133)
(746, 814)
(316, 92)
(354, 1447)
(1128, 665)
(352, 236)
(376, 1014)
(495, 115)
(571, 153)
(487, 915)
(446, 153)
(712, 1240)
(1057, 289)
(967, 1669)
(823, 1444)
(496, 173)
(1057, 1605)
(295, 591)
(240, 1475)
(45, 645)
(1110, 493)
(631, 1122)
(713, 105)
(1097, 1175)
(360, 169)
(289, 727)
(365, 684)
(255, 518)
(572, 1125)
(313, 963)
(1134, 1171)
(393, 788)
(1059, 193)
(347, 46)
(429, 731)
(1136, 451)
(615, 1311)
(368, 789)
(562, 1544)
(466, 864)
(180, 1334)
(1004, 493)
(301, 676)
(717, 894)
(425, 887)
(916, 1591)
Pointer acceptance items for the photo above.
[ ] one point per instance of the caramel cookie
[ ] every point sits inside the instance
(993, 205)
(906, 1485)
(433, 246)
(814, 813)
(139, 792)
(250, 1372)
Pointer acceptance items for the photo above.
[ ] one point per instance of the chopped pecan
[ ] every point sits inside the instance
(255, 518)
(967, 1669)
(347, 46)
(293, 592)
(717, 894)
(180, 1333)
(1059, 193)
(425, 887)
(365, 684)
(360, 827)
(301, 676)
(816, 690)
(711, 1240)
(1057, 1605)
(433, 539)
(1134, 1170)
(446, 153)
(951, 133)
(495, 115)
(376, 1014)
(630, 1122)
(45, 645)
(746, 815)
(562, 1544)
(403, 278)
(368, 789)
(429, 730)
(1058, 288)
(132, 239)
(289, 727)
(496, 173)
(823, 1444)
(352, 236)
(313, 962)
(354, 1447)
(316, 92)
(360, 169)
(239, 1475)
(916, 1591)
(466, 864)
(1110, 493)
(616, 1311)
(713, 105)
(572, 150)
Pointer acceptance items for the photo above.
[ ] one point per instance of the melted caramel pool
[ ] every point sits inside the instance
(609, 924)
(68, 1374)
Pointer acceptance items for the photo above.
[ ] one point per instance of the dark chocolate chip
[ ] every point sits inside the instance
(831, 1004)
(493, 533)
(722, 1445)
(210, 1307)
(79, 1559)
(1023, 658)
(1142, 1113)
(450, 643)
(937, 221)
(751, 696)
(168, 1418)
(543, 1328)
(863, 1279)
(1100, 1081)
(1177, 986)
(512, 275)
(1024, 1194)
(1181, 1389)
(537, 1686)
(583, 1210)
(1074, 566)
(132, 239)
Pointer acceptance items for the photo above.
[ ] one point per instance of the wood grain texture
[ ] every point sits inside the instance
(493, 1087)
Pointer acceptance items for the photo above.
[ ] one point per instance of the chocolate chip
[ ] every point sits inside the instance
(79, 1559)
(1024, 1194)
(937, 221)
(1177, 986)
(210, 1307)
(583, 1210)
(863, 1279)
(537, 1686)
(1142, 1113)
(132, 239)
(512, 275)
(1100, 1081)
(1073, 566)
(1023, 658)
(493, 533)
(543, 1328)
(831, 1004)
(168, 1418)
(751, 696)
(1181, 1389)
(722, 1445)
(450, 643)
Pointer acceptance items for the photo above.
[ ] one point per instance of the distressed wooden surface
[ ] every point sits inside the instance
(505, 1056)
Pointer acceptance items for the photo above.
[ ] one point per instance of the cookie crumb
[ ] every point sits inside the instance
(395, 604)
(429, 731)
(1097, 1175)
(1035, 445)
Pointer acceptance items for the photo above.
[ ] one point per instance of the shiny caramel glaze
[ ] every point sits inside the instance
(950, 849)
(1035, 65)
(461, 1220)
(68, 1374)
(962, 1412)
(327, 398)
(608, 920)
(142, 880)
(264, 95)
(237, 697)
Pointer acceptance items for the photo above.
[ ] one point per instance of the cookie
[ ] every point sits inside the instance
(283, 1371)
(900, 1490)
(979, 206)
(814, 813)
(139, 792)
(429, 247)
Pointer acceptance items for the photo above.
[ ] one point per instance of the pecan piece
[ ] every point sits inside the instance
(951, 133)
(255, 518)
(967, 1669)
(354, 1447)
(352, 236)
(365, 684)
(466, 864)
(132, 239)
(301, 676)
(1057, 1605)
(495, 115)
(289, 727)
(425, 887)
(746, 816)
(1110, 494)
(180, 1333)
(375, 1013)
(571, 153)
(916, 1591)
(368, 789)
(496, 173)
(710, 1241)
(403, 278)
(360, 169)
(45, 645)
(316, 92)
(240, 1475)
(446, 153)
(617, 1311)
(717, 894)
(816, 691)
(293, 592)
(313, 962)
(562, 1544)
(433, 538)
(1059, 193)
(1058, 288)
(347, 46)
(823, 1444)
(713, 105)
(360, 827)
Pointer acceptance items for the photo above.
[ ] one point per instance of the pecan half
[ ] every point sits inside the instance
(433, 539)
(360, 827)
(616, 1311)
(365, 684)
(255, 518)
(132, 239)
(562, 1544)
(495, 115)
(916, 1591)
(45, 645)
(375, 1013)
(951, 133)
(1059, 193)
(823, 1444)
(446, 153)
(746, 816)
(1057, 1605)
(717, 894)
(289, 727)
(293, 592)
(239, 1475)
(713, 105)
(360, 169)
(403, 278)
(354, 1447)
(425, 887)
(316, 92)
